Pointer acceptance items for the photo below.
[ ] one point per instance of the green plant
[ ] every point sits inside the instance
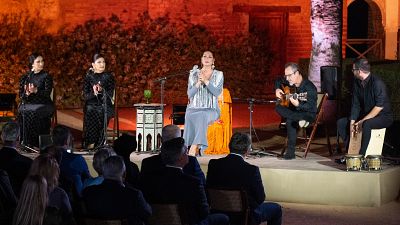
(137, 56)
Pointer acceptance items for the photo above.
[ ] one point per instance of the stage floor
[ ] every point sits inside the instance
(314, 180)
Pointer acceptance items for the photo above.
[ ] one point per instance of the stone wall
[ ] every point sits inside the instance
(218, 16)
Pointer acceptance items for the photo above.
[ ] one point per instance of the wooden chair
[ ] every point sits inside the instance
(322, 97)
(53, 97)
(92, 221)
(166, 214)
(232, 202)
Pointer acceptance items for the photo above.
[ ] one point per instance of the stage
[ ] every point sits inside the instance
(314, 180)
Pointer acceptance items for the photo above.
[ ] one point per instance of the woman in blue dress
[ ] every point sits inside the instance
(204, 87)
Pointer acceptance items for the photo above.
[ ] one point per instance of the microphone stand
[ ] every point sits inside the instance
(105, 121)
(254, 151)
(23, 105)
(162, 86)
(162, 81)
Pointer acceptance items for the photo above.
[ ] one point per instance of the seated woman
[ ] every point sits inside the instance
(36, 107)
(46, 166)
(204, 87)
(98, 84)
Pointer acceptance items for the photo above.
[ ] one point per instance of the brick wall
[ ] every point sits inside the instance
(76, 12)
(218, 16)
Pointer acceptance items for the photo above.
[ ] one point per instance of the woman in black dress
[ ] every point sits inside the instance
(36, 107)
(98, 85)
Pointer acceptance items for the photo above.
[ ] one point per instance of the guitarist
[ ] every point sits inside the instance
(300, 112)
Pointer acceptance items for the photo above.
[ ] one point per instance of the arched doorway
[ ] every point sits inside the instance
(364, 30)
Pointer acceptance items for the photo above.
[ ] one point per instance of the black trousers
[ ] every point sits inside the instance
(378, 122)
(292, 123)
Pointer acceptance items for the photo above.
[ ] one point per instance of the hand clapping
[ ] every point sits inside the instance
(30, 88)
(97, 88)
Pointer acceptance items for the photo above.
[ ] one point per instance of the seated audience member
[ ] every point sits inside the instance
(54, 152)
(8, 200)
(154, 163)
(112, 199)
(73, 167)
(33, 208)
(172, 186)
(32, 202)
(46, 166)
(15, 164)
(98, 161)
(124, 146)
(234, 172)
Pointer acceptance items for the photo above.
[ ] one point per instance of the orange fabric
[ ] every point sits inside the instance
(220, 132)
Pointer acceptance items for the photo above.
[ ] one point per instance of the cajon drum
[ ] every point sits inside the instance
(375, 144)
(355, 143)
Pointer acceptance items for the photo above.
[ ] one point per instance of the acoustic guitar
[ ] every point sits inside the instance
(288, 93)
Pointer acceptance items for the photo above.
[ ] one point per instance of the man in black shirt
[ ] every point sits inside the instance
(370, 108)
(300, 111)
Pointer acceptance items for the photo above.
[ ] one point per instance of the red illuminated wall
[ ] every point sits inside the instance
(219, 16)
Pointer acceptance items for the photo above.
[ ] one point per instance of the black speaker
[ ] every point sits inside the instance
(330, 81)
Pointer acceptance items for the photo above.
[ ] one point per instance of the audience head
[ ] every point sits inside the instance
(169, 132)
(125, 145)
(240, 143)
(61, 136)
(54, 152)
(100, 156)
(32, 201)
(46, 166)
(174, 152)
(114, 168)
(10, 132)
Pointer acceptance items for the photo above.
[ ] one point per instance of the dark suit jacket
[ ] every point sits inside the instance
(16, 165)
(112, 200)
(173, 186)
(73, 171)
(132, 173)
(8, 200)
(233, 172)
(154, 164)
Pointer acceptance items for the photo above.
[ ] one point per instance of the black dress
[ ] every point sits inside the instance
(35, 110)
(93, 121)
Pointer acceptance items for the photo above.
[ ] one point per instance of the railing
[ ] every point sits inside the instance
(373, 43)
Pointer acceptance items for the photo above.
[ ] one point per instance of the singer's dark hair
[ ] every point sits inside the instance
(97, 56)
(32, 58)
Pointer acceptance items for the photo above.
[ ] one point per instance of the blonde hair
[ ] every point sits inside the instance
(32, 202)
